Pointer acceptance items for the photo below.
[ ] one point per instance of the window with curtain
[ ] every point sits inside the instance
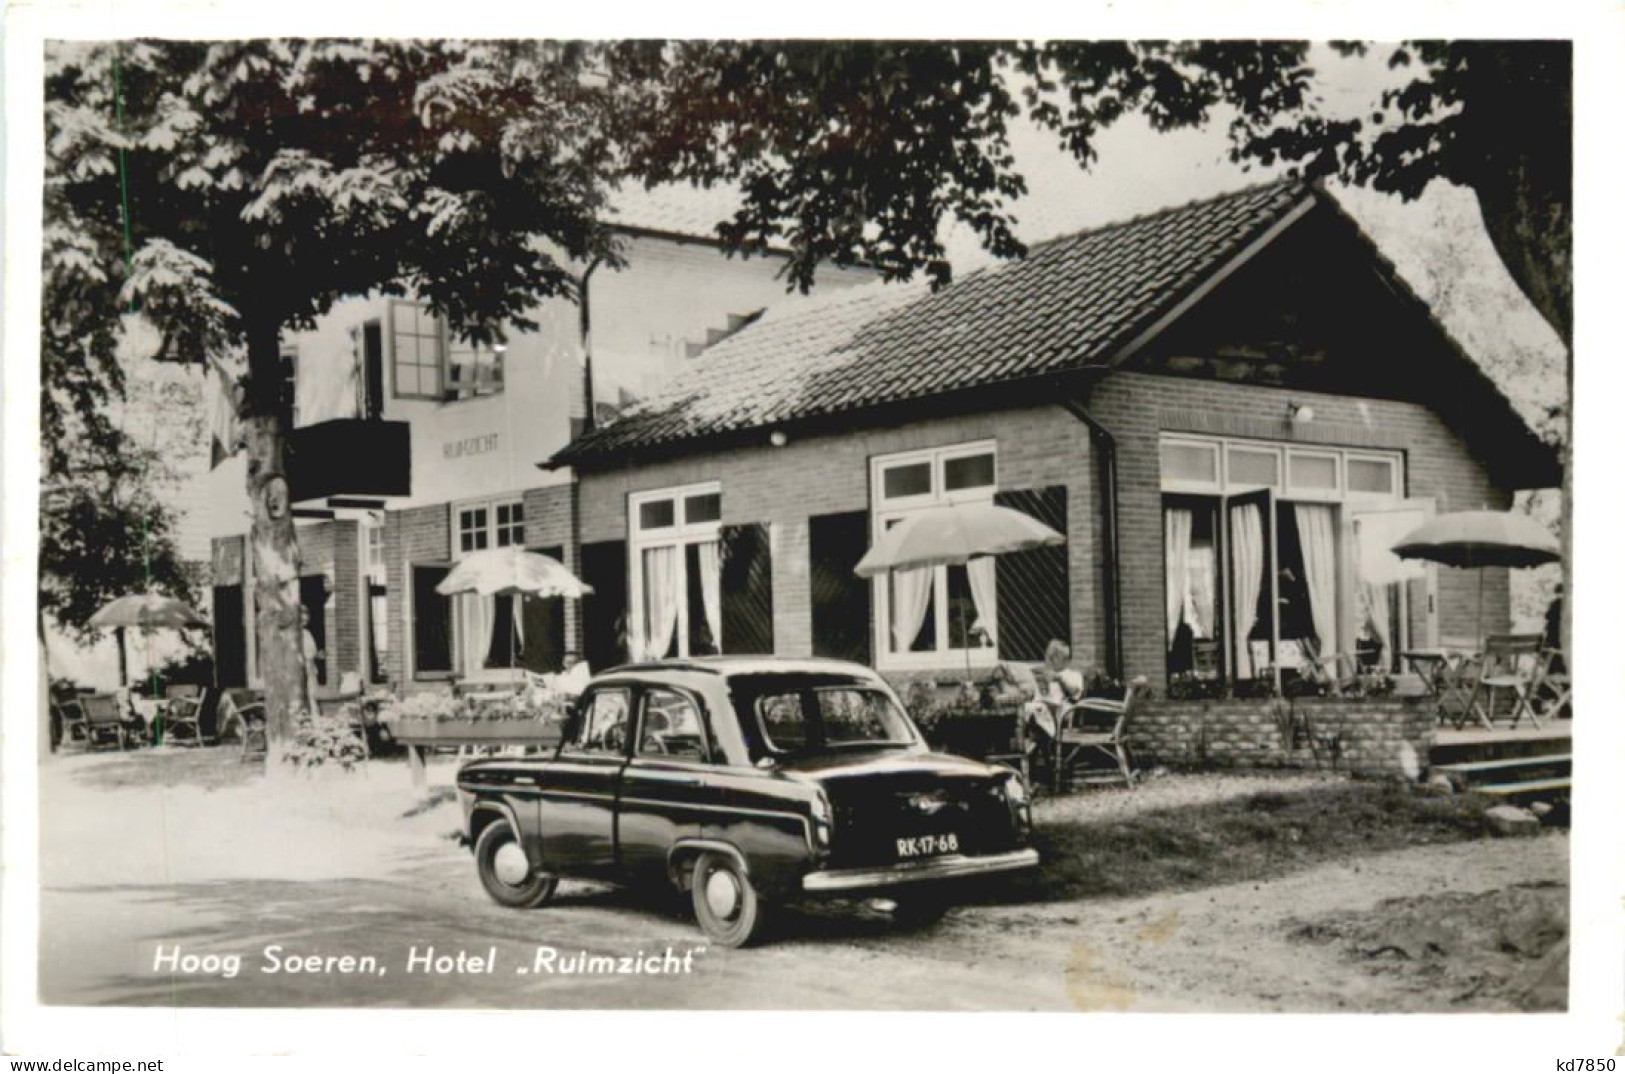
(489, 630)
(1336, 589)
(675, 564)
(935, 615)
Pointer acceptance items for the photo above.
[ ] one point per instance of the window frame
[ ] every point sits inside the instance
(446, 390)
(633, 711)
(680, 534)
(1395, 477)
(420, 309)
(885, 509)
(492, 531)
(708, 743)
(1285, 451)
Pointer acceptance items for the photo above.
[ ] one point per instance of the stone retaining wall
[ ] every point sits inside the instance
(1366, 736)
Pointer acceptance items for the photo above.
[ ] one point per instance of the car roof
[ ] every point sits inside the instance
(730, 666)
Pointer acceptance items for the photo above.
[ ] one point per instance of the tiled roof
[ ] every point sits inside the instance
(1071, 302)
(673, 209)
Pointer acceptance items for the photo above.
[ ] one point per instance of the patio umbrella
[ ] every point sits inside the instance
(952, 536)
(147, 610)
(511, 571)
(1474, 539)
(941, 536)
(144, 610)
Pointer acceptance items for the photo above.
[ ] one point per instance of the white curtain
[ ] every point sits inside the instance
(1199, 590)
(911, 592)
(518, 621)
(1377, 610)
(982, 573)
(1318, 536)
(1176, 549)
(710, 556)
(660, 597)
(476, 616)
(1247, 565)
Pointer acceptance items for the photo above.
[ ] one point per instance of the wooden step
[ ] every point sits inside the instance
(1532, 786)
(1467, 750)
(1467, 768)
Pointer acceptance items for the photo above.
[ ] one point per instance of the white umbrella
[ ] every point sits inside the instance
(512, 571)
(952, 536)
(943, 536)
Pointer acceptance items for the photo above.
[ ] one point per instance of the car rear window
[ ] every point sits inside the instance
(799, 712)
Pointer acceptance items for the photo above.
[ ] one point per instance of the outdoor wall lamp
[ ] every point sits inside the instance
(777, 438)
(1300, 413)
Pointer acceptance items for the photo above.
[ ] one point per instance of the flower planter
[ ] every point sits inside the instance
(463, 730)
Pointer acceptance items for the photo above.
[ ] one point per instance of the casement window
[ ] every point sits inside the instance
(934, 616)
(428, 363)
(1275, 552)
(675, 561)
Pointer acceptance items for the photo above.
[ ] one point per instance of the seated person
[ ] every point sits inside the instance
(1066, 687)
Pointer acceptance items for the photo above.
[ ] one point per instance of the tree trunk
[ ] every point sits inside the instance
(272, 542)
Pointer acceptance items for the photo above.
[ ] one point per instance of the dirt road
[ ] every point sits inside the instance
(1232, 948)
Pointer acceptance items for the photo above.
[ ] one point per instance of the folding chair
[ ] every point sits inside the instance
(1510, 664)
(183, 713)
(1096, 725)
(1552, 689)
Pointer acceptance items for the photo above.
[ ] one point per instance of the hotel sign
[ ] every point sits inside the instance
(471, 445)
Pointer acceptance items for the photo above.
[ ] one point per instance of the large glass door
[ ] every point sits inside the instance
(1395, 605)
(1193, 583)
(1249, 523)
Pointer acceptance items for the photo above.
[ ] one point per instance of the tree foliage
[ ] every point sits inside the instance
(862, 150)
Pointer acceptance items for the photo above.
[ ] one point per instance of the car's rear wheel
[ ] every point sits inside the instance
(506, 873)
(726, 902)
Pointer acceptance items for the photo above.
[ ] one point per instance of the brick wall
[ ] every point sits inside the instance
(784, 487)
(1377, 736)
(415, 535)
(550, 523)
(1138, 407)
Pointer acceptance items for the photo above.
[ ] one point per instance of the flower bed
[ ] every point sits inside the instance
(535, 716)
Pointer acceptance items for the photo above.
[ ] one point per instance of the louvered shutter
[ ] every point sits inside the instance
(841, 612)
(747, 590)
(1034, 605)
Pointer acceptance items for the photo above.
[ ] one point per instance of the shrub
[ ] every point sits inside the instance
(325, 740)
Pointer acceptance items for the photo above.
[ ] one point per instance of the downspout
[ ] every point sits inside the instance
(1106, 451)
(588, 421)
(575, 623)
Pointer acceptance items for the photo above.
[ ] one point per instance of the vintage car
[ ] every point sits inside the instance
(748, 782)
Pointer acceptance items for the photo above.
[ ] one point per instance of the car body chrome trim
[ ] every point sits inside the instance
(944, 868)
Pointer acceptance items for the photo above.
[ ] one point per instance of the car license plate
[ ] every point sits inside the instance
(924, 846)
